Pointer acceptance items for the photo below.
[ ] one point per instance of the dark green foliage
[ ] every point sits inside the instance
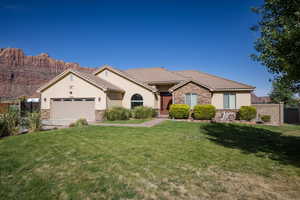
(247, 113)
(282, 93)
(265, 118)
(279, 42)
(204, 112)
(143, 112)
(179, 111)
(117, 113)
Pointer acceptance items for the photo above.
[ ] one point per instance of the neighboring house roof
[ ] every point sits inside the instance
(155, 75)
(90, 78)
(127, 76)
(215, 82)
(263, 99)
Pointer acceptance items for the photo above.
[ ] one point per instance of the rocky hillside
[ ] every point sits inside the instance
(21, 75)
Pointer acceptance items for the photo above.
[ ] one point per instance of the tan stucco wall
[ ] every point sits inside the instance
(242, 99)
(217, 100)
(81, 89)
(130, 89)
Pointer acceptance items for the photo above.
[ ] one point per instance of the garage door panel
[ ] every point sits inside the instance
(73, 109)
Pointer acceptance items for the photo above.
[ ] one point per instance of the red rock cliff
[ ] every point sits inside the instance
(21, 75)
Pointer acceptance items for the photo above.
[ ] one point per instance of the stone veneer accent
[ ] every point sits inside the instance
(228, 112)
(45, 114)
(204, 95)
(99, 115)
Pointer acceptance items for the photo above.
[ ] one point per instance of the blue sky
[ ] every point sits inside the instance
(209, 35)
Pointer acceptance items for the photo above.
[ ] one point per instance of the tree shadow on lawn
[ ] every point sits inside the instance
(259, 141)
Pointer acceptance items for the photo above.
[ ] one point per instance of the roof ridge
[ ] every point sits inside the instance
(140, 68)
(198, 71)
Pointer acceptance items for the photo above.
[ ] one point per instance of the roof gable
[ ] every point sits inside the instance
(90, 78)
(126, 76)
(215, 82)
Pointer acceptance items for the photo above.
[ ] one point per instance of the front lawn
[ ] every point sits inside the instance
(130, 121)
(174, 160)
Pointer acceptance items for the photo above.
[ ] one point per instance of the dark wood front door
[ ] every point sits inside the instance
(165, 102)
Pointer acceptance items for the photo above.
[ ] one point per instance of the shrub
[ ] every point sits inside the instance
(179, 111)
(34, 122)
(79, 123)
(204, 112)
(117, 113)
(265, 118)
(143, 112)
(247, 113)
(10, 122)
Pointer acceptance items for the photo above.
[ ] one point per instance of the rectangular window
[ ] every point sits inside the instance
(229, 101)
(191, 99)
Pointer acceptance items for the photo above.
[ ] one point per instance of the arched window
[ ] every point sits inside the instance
(136, 100)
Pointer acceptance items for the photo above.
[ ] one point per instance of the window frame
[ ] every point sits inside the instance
(191, 94)
(229, 94)
(132, 101)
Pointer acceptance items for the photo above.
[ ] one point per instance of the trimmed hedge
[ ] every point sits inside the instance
(179, 111)
(117, 113)
(247, 113)
(204, 112)
(143, 112)
(265, 118)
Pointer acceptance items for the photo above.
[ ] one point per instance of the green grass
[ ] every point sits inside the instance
(130, 121)
(174, 160)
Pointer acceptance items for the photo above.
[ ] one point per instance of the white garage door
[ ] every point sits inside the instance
(73, 109)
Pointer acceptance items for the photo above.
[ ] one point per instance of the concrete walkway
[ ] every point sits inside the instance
(150, 123)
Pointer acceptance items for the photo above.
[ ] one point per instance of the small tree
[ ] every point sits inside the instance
(278, 45)
(282, 93)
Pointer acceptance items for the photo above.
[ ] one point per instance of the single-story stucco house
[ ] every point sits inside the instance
(74, 94)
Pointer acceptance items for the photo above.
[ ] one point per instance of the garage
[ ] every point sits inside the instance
(71, 109)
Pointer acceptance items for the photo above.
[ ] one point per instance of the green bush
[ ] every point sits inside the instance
(179, 111)
(247, 113)
(34, 122)
(265, 118)
(79, 123)
(143, 112)
(10, 122)
(204, 112)
(117, 113)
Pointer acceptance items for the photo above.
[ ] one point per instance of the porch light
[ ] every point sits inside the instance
(99, 99)
(45, 99)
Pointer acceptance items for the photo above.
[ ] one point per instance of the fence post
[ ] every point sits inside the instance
(281, 113)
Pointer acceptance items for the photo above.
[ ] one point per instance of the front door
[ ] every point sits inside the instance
(165, 102)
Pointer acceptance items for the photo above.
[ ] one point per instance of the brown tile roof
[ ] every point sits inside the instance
(158, 75)
(92, 79)
(155, 75)
(214, 82)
